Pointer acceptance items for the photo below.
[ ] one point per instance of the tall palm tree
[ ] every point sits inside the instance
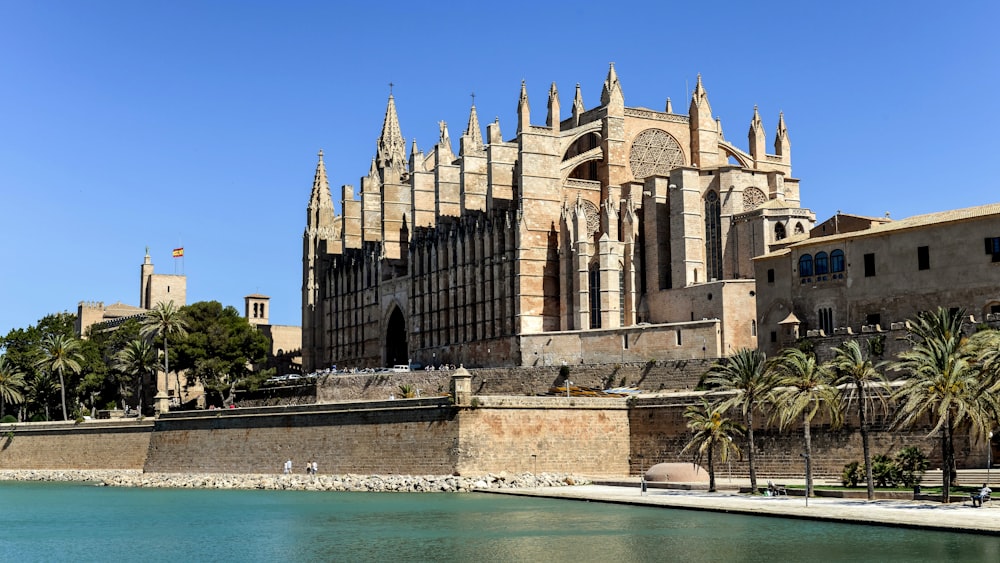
(61, 353)
(137, 358)
(804, 391)
(11, 384)
(713, 431)
(163, 321)
(752, 378)
(857, 373)
(944, 383)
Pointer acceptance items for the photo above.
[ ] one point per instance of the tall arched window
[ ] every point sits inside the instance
(713, 235)
(820, 265)
(805, 265)
(779, 231)
(621, 295)
(595, 297)
(837, 261)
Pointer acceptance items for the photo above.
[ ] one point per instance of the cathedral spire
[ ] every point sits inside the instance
(578, 108)
(756, 137)
(416, 158)
(612, 91)
(320, 203)
(391, 145)
(473, 130)
(444, 143)
(782, 146)
(523, 109)
(553, 118)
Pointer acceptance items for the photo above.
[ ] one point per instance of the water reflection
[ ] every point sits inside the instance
(44, 522)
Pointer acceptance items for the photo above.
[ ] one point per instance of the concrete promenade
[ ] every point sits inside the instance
(954, 517)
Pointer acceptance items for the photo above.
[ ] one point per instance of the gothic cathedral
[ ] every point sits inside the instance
(618, 234)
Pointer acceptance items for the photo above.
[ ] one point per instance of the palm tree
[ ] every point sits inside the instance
(854, 370)
(752, 378)
(944, 384)
(804, 392)
(11, 384)
(162, 321)
(712, 431)
(137, 358)
(39, 391)
(59, 353)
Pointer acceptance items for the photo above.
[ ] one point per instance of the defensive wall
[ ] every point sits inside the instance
(658, 433)
(96, 444)
(430, 435)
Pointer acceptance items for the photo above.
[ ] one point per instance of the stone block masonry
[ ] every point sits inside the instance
(413, 437)
(66, 445)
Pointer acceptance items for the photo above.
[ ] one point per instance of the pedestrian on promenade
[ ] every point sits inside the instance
(984, 493)
(315, 467)
(288, 467)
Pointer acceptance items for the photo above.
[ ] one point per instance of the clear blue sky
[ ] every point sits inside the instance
(180, 123)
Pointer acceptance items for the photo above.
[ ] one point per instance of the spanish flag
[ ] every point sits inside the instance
(179, 252)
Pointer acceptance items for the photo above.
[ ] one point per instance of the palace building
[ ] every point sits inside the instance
(610, 234)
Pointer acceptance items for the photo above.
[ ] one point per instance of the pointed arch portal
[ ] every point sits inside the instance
(396, 348)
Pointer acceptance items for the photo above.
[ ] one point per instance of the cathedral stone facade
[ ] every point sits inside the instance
(616, 234)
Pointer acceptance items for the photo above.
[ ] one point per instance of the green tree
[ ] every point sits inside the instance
(59, 354)
(138, 359)
(11, 384)
(752, 379)
(221, 347)
(163, 321)
(713, 431)
(854, 372)
(944, 384)
(39, 392)
(804, 391)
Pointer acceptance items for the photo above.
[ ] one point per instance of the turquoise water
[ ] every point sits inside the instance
(77, 522)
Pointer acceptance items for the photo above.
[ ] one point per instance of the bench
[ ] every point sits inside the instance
(973, 497)
(775, 490)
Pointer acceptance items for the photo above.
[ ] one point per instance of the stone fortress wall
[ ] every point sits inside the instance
(494, 433)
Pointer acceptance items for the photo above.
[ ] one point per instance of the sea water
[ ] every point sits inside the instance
(81, 522)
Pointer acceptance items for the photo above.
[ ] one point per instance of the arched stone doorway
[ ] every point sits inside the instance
(396, 348)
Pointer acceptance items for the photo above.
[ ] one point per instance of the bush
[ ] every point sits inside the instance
(853, 474)
(906, 469)
(911, 464)
(564, 371)
(8, 419)
(884, 471)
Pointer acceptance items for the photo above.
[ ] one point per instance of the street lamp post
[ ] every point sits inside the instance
(989, 456)
(568, 383)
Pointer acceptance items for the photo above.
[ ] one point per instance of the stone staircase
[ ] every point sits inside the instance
(966, 477)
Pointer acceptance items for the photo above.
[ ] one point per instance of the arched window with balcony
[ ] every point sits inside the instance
(820, 264)
(805, 265)
(837, 261)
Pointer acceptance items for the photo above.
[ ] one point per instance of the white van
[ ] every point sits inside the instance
(399, 368)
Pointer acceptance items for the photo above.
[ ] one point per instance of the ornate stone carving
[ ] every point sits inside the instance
(753, 198)
(654, 151)
(593, 217)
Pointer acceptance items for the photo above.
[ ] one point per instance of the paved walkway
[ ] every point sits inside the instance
(954, 517)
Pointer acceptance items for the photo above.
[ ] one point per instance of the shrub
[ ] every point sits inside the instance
(911, 464)
(852, 474)
(8, 418)
(564, 371)
(884, 471)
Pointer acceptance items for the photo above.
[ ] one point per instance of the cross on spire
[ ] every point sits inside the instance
(390, 88)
